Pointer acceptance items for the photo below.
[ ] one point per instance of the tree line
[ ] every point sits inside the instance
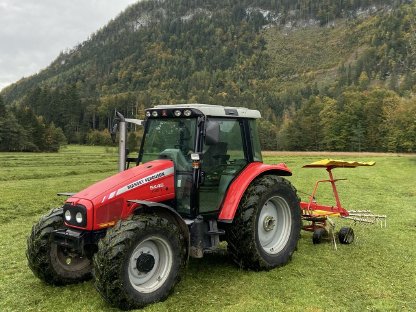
(21, 130)
(218, 52)
(375, 120)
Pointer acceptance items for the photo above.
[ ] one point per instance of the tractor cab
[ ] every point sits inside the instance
(209, 146)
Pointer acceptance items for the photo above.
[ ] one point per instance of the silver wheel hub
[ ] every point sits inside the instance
(269, 223)
(274, 225)
(150, 264)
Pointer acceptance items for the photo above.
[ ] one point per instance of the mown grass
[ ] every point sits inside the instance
(376, 273)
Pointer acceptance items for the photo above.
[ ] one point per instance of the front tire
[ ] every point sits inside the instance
(139, 261)
(55, 265)
(266, 228)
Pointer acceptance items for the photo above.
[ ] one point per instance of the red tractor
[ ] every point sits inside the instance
(199, 179)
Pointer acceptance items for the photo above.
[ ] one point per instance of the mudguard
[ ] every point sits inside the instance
(237, 188)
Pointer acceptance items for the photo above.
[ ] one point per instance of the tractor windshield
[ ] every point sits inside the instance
(170, 138)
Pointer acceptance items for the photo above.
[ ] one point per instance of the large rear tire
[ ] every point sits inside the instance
(139, 261)
(266, 229)
(51, 263)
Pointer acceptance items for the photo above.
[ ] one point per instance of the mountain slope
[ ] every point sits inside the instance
(271, 55)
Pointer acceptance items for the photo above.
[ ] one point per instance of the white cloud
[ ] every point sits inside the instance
(33, 32)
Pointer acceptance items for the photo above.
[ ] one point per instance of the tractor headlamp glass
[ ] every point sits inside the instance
(177, 113)
(148, 114)
(187, 113)
(155, 114)
(78, 217)
(68, 215)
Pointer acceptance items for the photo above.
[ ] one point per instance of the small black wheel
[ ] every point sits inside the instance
(346, 235)
(318, 235)
(266, 228)
(51, 263)
(139, 261)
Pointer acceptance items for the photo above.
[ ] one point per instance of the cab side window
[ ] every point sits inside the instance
(221, 163)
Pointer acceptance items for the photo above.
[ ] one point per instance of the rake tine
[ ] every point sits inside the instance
(332, 231)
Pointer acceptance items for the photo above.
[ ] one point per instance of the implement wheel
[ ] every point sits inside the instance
(51, 263)
(346, 235)
(139, 261)
(266, 228)
(318, 235)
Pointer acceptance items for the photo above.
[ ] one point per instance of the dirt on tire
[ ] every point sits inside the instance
(114, 251)
(42, 253)
(242, 238)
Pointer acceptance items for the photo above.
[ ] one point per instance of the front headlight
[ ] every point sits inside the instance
(79, 218)
(68, 216)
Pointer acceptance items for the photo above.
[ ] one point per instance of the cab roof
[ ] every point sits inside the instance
(216, 110)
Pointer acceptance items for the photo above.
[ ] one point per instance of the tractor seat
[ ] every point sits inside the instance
(181, 164)
(215, 155)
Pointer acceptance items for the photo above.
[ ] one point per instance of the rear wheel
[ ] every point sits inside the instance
(51, 263)
(139, 261)
(266, 228)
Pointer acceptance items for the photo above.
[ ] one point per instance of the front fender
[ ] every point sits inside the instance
(238, 187)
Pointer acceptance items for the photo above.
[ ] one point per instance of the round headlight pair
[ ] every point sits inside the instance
(186, 113)
(154, 114)
(78, 217)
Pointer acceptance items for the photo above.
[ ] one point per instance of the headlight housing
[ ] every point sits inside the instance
(75, 215)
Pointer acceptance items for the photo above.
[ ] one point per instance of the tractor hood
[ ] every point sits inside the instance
(107, 201)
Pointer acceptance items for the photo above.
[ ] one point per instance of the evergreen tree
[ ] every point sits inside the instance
(2, 107)
(13, 137)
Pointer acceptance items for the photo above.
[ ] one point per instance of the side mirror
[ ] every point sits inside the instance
(212, 133)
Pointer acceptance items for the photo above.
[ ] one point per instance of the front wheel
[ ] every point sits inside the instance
(139, 261)
(50, 262)
(266, 228)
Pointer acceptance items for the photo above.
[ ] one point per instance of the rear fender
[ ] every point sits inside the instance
(168, 212)
(238, 187)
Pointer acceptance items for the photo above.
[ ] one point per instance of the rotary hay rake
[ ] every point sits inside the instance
(318, 217)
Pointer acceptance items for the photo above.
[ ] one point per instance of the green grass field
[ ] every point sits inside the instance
(376, 273)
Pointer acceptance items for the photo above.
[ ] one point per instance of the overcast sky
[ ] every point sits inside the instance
(33, 32)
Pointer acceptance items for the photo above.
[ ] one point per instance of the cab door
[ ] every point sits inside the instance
(221, 162)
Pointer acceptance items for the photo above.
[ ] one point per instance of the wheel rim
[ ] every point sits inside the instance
(150, 264)
(67, 260)
(274, 225)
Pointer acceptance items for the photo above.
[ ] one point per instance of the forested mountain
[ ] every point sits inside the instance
(326, 75)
